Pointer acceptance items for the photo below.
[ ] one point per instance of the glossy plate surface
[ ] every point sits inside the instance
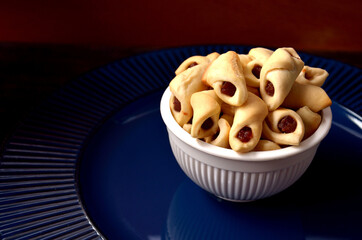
(94, 161)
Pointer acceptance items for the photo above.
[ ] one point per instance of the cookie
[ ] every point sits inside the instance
(221, 138)
(312, 75)
(182, 87)
(206, 112)
(310, 119)
(247, 125)
(283, 126)
(307, 95)
(278, 76)
(192, 62)
(225, 76)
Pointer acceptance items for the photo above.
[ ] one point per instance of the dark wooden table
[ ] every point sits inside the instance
(29, 73)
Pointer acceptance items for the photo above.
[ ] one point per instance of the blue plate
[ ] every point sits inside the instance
(94, 162)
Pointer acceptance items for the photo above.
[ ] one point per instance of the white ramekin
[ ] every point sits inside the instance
(240, 176)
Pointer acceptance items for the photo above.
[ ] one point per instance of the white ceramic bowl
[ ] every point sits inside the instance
(240, 176)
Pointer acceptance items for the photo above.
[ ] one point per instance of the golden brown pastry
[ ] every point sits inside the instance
(310, 119)
(187, 127)
(311, 75)
(266, 145)
(307, 95)
(182, 87)
(212, 56)
(283, 126)
(257, 58)
(221, 138)
(253, 90)
(228, 109)
(206, 112)
(192, 62)
(249, 101)
(247, 126)
(278, 75)
(225, 76)
(228, 118)
(244, 59)
(260, 53)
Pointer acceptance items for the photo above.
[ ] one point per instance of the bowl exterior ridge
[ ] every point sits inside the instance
(237, 185)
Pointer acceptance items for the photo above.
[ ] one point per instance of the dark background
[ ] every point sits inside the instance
(45, 44)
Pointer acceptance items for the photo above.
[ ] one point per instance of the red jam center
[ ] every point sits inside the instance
(193, 64)
(269, 88)
(256, 71)
(228, 89)
(207, 124)
(308, 75)
(245, 134)
(287, 124)
(176, 105)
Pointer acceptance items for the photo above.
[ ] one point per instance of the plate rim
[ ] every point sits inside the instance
(78, 135)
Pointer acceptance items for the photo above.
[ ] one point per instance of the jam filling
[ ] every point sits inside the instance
(193, 64)
(269, 88)
(176, 105)
(228, 89)
(207, 124)
(287, 124)
(245, 134)
(308, 76)
(256, 71)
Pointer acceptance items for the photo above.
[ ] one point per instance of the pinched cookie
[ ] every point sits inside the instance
(182, 87)
(283, 126)
(221, 137)
(247, 125)
(225, 76)
(278, 76)
(301, 95)
(192, 62)
(310, 119)
(206, 107)
(312, 75)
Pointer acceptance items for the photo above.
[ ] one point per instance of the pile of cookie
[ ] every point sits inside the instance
(263, 100)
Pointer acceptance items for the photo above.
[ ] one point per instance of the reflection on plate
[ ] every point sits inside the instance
(102, 137)
(194, 214)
